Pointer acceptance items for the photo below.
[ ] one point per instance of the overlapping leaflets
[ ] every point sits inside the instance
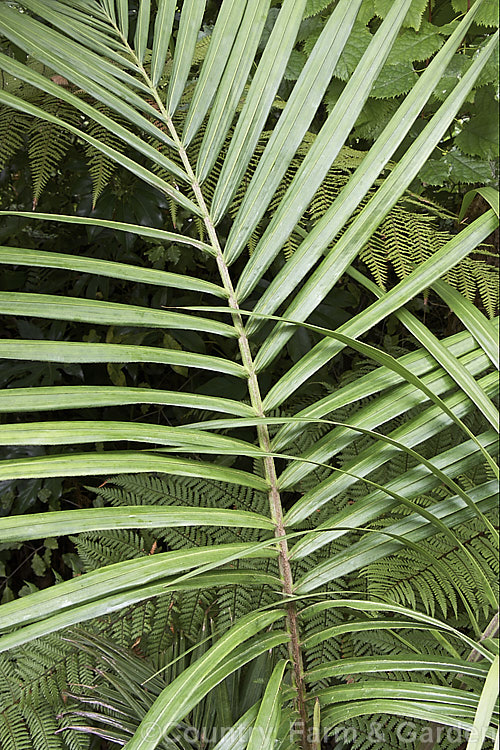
(176, 121)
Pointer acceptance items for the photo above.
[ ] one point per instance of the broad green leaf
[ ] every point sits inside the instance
(189, 26)
(221, 43)
(394, 80)
(186, 690)
(291, 126)
(376, 545)
(355, 47)
(122, 462)
(315, 6)
(323, 151)
(48, 398)
(69, 351)
(485, 708)
(466, 170)
(258, 102)
(144, 174)
(416, 45)
(106, 313)
(488, 13)
(57, 523)
(479, 134)
(231, 85)
(266, 724)
(413, 18)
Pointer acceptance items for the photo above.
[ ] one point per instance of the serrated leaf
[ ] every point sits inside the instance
(435, 172)
(374, 117)
(414, 46)
(367, 11)
(454, 72)
(486, 16)
(310, 26)
(353, 51)
(490, 72)
(38, 565)
(413, 18)
(479, 136)
(313, 7)
(467, 170)
(296, 62)
(394, 80)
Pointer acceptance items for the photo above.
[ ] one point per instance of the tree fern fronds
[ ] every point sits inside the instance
(14, 733)
(151, 489)
(106, 547)
(32, 683)
(408, 577)
(101, 167)
(406, 239)
(13, 129)
(48, 143)
(156, 635)
(474, 277)
(42, 726)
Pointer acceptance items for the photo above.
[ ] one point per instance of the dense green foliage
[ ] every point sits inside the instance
(223, 165)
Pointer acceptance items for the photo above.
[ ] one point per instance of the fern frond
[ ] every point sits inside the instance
(409, 577)
(48, 143)
(13, 129)
(101, 167)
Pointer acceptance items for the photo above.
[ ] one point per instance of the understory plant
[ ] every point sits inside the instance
(298, 559)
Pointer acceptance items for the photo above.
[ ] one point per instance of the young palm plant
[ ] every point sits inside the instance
(173, 126)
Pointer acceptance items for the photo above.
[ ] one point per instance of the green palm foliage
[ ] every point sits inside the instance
(151, 115)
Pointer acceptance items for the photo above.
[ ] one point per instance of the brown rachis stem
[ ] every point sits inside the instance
(275, 505)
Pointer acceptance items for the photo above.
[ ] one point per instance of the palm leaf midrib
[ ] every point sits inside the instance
(275, 504)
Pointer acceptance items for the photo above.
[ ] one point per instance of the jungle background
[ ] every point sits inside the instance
(43, 168)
